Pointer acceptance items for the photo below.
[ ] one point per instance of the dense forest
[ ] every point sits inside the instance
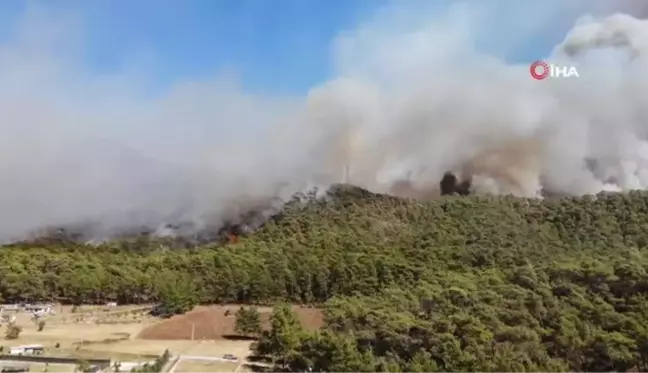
(454, 284)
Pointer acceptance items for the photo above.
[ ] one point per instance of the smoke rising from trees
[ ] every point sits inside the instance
(416, 93)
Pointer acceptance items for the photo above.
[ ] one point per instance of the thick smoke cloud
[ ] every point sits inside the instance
(433, 101)
(418, 92)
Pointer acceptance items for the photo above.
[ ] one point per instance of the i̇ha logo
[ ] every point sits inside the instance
(541, 70)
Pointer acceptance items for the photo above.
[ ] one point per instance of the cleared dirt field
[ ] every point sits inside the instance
(127, 333)
(214, 322)
(205, 366)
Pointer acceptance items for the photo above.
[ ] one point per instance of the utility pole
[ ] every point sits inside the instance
(346, 173)
(193, 329)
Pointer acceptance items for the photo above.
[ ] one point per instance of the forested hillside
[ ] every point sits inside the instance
(459, 283)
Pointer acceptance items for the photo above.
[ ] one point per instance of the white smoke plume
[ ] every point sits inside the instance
(418, 92)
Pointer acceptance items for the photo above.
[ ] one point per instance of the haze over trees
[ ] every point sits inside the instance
(455, 284)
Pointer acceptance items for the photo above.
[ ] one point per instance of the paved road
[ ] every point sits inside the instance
(214, 358)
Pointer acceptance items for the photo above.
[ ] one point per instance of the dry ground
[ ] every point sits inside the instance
(205, 366)
(88, 326)
(92, 332)
(211, 322)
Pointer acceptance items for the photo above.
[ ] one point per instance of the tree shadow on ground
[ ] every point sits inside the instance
(236, 337)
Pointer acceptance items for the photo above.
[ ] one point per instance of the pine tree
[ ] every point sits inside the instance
(248, 321)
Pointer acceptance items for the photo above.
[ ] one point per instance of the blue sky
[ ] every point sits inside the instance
(278, 46)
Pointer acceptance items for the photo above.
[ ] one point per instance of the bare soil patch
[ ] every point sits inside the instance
(216, 322)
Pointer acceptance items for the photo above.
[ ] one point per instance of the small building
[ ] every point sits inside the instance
(111, 304)
(27, 350)
(9, 308)
(38, 308)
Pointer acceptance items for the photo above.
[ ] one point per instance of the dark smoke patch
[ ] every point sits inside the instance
(451, 185)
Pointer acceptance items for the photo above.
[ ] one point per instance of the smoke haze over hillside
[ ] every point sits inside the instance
(417, 93)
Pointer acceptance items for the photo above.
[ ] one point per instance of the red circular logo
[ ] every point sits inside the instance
(539, 65)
